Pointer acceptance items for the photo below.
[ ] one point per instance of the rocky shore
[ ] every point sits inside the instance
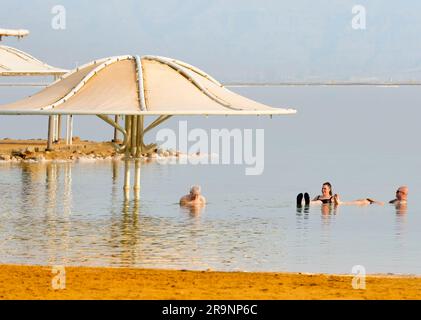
(17, 151)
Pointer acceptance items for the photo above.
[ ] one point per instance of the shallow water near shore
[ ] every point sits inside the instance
(362, 140)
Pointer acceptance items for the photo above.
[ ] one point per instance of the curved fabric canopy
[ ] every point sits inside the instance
(14, 62)
(130, 85)
(20, 33)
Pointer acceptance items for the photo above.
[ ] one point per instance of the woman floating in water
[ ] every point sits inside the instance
(327, 197)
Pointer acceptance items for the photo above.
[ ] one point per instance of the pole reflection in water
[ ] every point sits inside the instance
(115, 171)
(58, 210)
(401, 208)
(400, 221)
(326, 234)
(50, 210)
(302, 234)
(31, 176)
(136, 188)
(129, 233)
(126, 187)
(115, 191)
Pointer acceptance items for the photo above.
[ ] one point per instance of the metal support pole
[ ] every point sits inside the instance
(128, 123)
(58, 129)
(69, 130)
(55, 128)
(152, 146)
(115, 130)
(139, 142)
(134, 136)
(50, 133)
(136, 187)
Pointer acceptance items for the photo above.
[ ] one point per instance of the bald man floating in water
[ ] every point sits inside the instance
(401, 198)
(194, 198)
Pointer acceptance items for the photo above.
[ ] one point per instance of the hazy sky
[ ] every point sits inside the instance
(237, 40)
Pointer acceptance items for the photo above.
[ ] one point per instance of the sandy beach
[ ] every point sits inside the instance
(35, 282)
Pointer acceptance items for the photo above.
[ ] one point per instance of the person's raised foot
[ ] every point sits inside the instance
(306, 199)
(299, 200)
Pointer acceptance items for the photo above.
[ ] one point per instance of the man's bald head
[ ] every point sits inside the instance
(195, 191)
(402, 193)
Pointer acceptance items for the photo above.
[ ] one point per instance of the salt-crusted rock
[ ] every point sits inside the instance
(18, 152)
(152, 155)
(4, 157)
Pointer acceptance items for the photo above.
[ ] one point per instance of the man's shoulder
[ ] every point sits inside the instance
(184, 198)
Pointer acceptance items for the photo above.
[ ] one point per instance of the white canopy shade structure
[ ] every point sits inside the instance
(20, 33)
(137, 87)
(14, 62)
(130, 85)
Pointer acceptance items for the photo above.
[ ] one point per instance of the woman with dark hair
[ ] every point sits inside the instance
(325, 198)
(327, 195)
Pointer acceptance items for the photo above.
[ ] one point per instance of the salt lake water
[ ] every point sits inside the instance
(364, 140)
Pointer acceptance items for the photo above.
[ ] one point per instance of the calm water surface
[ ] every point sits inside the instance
(363, 140)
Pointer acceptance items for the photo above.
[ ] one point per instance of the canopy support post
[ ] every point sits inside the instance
(52, 128)
(58, 131)
(69, 130)
(50, 138)
(134, 132)
(139, 142)
(115, 139)
(126, 142)
(134, 136)
(157, 122)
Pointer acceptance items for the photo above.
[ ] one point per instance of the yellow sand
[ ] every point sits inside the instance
(35, 282)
